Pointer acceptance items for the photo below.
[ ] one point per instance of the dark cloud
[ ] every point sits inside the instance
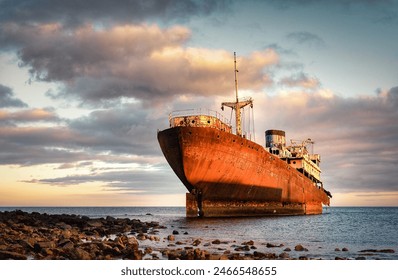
(286, 4)
(7, 98)
(127, 130)
(392, 97)
(125, 135)
(153, 180)
(134, 61)
(74, 13)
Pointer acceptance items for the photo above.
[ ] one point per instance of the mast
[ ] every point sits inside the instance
(237, 105)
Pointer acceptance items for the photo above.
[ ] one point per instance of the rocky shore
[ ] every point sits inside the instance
(71, 237)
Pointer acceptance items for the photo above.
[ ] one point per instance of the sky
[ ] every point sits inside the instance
(85, 85)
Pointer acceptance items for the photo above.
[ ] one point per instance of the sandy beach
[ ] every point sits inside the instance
(72, 237)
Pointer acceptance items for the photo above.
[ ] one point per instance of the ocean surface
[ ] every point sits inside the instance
(353, 228)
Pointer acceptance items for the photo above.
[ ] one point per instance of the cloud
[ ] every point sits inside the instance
(153, 180)
(74, 13)
(356, 137)
(306, 38)
(7, 98)
(28, 115)
(102, 53)
(124, 132)
(300, 80)
(343, 3)
(143, 62)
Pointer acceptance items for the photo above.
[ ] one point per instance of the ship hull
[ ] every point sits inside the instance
(227, 175)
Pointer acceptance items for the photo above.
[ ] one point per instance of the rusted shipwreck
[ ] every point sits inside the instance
(227, 174)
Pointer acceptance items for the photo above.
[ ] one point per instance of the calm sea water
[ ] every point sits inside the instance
(355, 228)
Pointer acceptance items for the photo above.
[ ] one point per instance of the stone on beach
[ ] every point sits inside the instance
(171, 238)
(43, 236)
(300, 247)
(72, 237)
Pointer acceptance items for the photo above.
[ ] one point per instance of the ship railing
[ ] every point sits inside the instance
(199, 118)
(199, 112)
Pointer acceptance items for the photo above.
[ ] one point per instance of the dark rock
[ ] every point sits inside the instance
(217, 241)
(148, 250)
(135, 255)
(68, 245)
(7, 255)
(171, 238)
(214, 257)
(284, 255)
(300, 248)
(264, 256)
(110, 219)
(196, 242)
(345, 249)
(390, 251)
(43, 236)
(270, 245)
(243, 248)
(27, 243)
(377, 251)
(141, 236)
(175, 232)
